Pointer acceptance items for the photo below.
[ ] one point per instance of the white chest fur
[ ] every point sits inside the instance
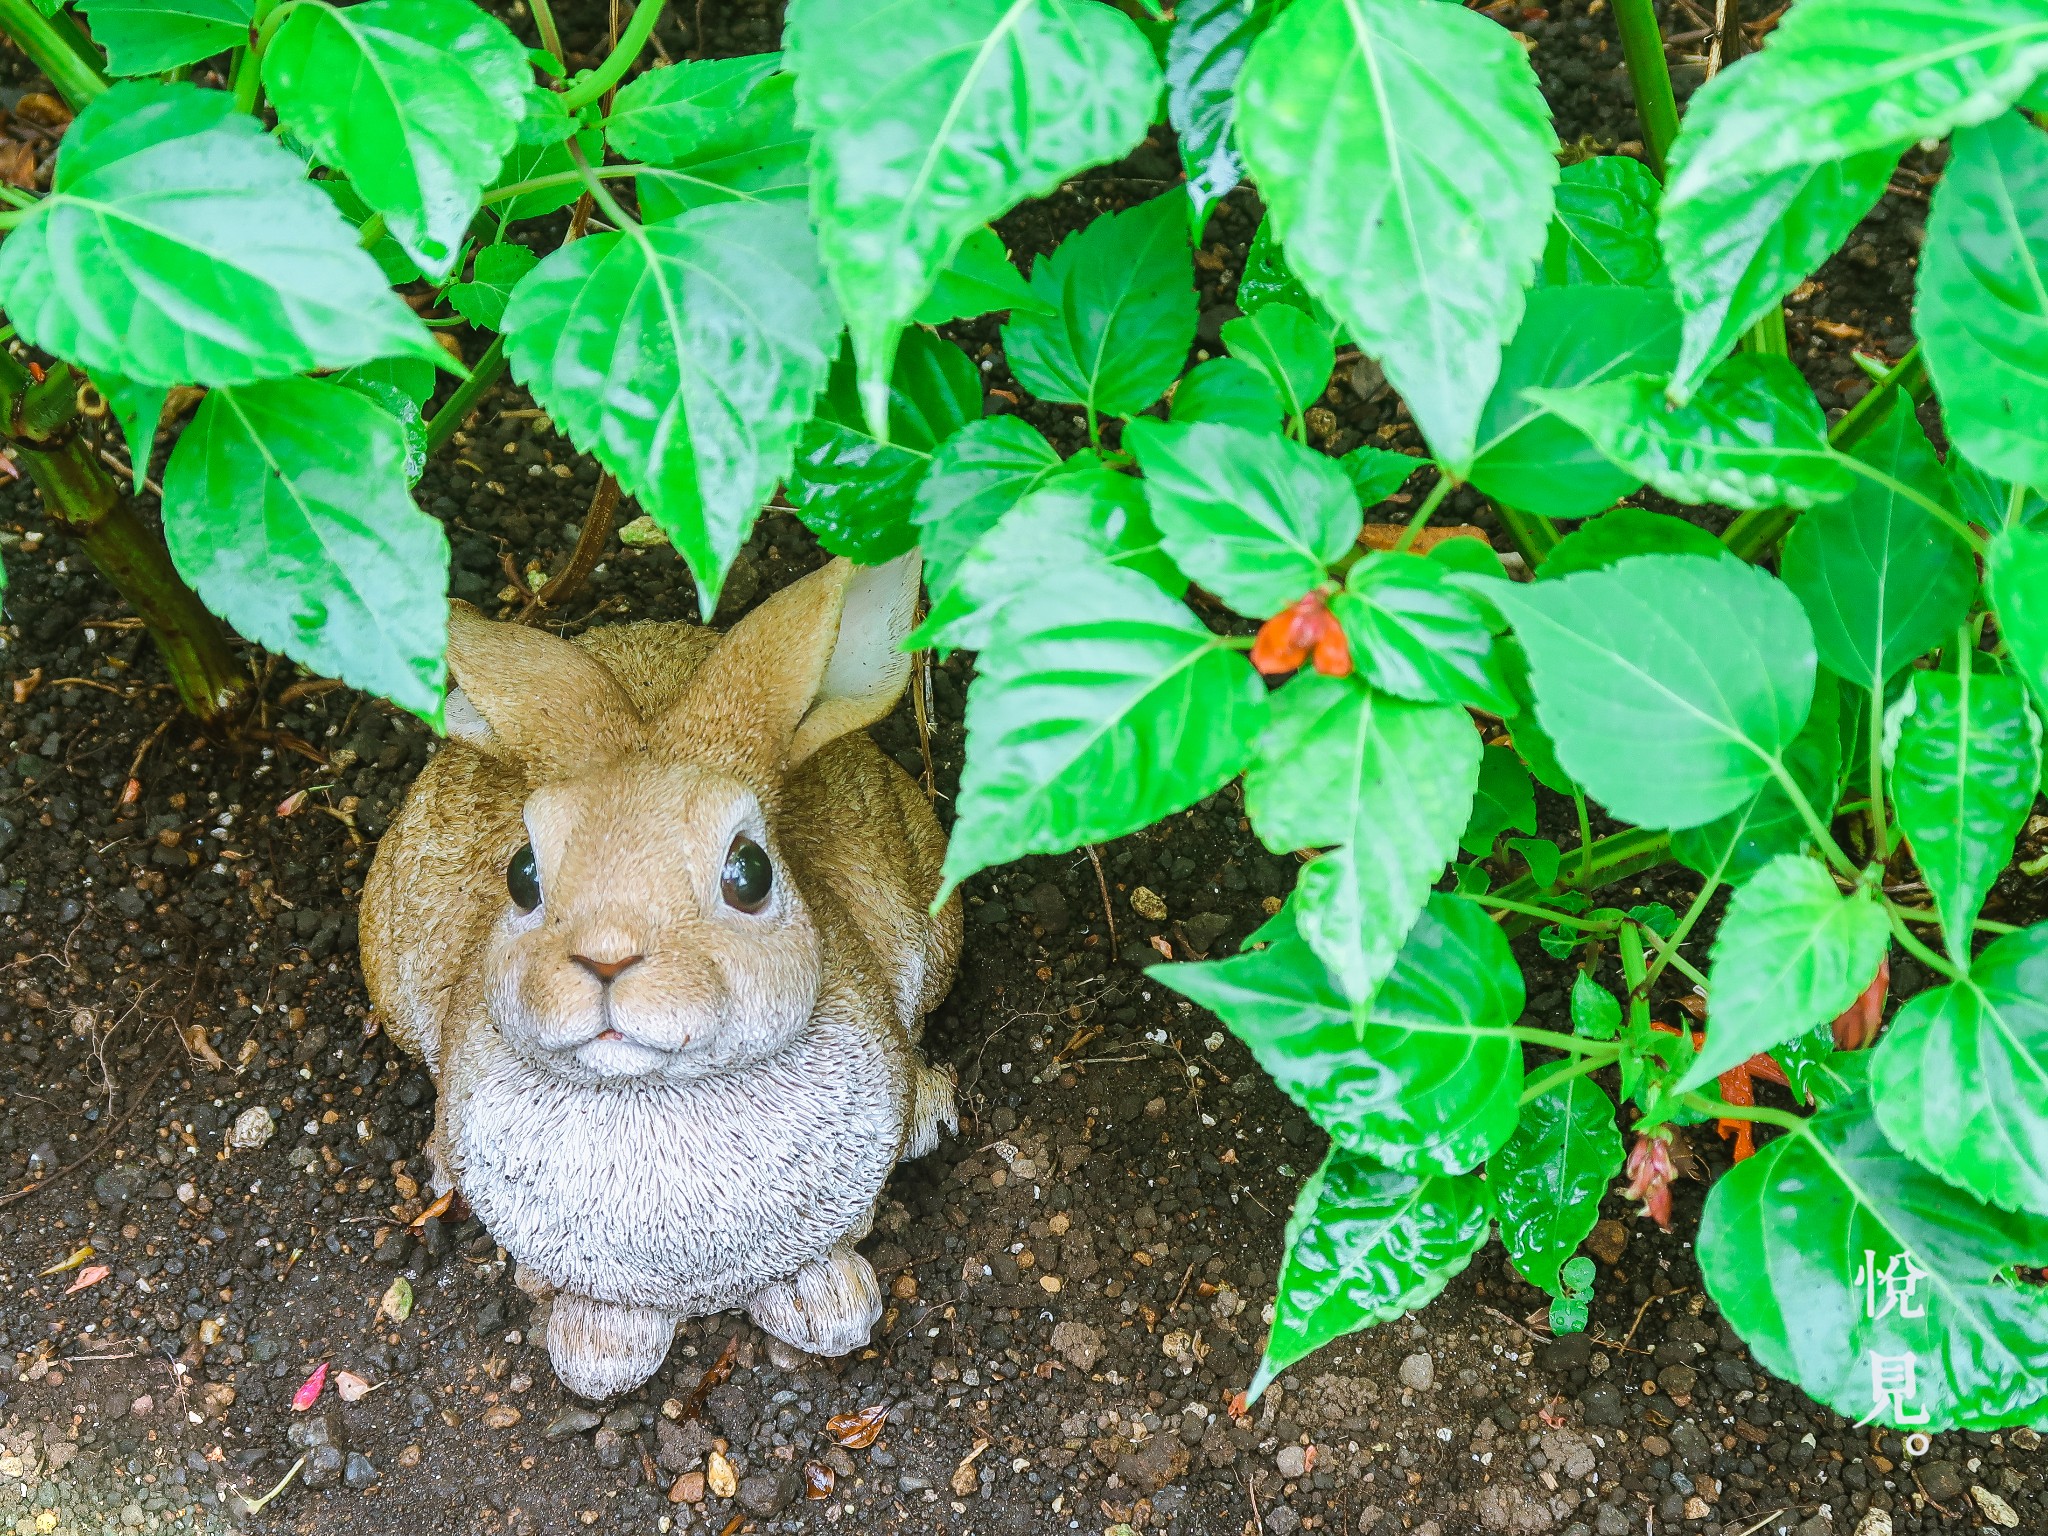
(686, 1198)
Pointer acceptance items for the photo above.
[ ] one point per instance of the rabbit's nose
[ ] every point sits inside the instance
(607, 971)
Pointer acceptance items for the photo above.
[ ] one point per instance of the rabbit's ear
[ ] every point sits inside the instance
(531, 698)
(820, 658)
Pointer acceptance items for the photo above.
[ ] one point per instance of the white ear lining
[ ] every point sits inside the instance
(868, 663)
(463, 720)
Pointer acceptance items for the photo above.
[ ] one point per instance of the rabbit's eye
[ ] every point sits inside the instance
(522, 879)
(747, 876)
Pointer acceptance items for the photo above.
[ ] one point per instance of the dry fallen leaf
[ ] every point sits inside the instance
(858, 1431)
(965, 1479)
(91, 1275)
(438, 1208)
(350, 1387)
(818, 1480)
(719, 1475)
(309, 1394)
(201, 1048)
(397, 1302)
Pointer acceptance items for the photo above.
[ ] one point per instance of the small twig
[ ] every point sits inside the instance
(1632, 1327)
(1184, 1279)
(590, 545)
(1102, 880)
(1518, 1327)
(1752, 1529)
(921, 708)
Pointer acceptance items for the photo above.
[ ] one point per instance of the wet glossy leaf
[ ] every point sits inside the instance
(976, 475)
(1882, 578)
(1283, 343)
(1737, 244)
(412, 377)
(1736, 845)
(404, 408)
(1965, 765)
(137, 408)
(2019, 590)
(1231, 391)
(979, 280)
(1982, 311)
(668, 116)
(417, 101)
(930, 122)
(1605, 226)
(1669, 683)
(285, 506)
(1792, 952)
(1418, 633)
(1376, 473)
(857, 1431)
(147, 37)
(1751, 437)
(1122, 299)
(856, 492)
(1205, 50)
(183, 245)
(1100, 706)
(1549, 1176)
(493, 275)
(1504, 799)
(716, 138)
(1391, 784)
(1534, 459)
(1267, 279)
(1422, 247)
(1251, 516)
(1601, 541)
(1365, 1245)
(1788, 1237)
(685, 356)
(1960, 1079)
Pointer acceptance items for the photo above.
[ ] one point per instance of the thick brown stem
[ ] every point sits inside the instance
(590, 546)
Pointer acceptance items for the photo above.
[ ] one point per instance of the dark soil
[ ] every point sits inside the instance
(1077, 1280)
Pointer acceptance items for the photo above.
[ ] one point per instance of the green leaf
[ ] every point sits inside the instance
(397, 267)
(405, 409)
(1965, 767)
(1595, 1013)
(1531, 741)
(1376, 473)
(1535, 460)
(1960, 1078)
(719, 141)
(2018, 578)
(1542, 857)
(980, 279)
(1549, 1176)
(1424, 1076)
(418, 101)
(1231, 391)
(1795, 1246)
(976, 475)
(1388, 781)
(685, 356)
(1671, 684)
(1289, 348)
(1253, 517)
(1982, 311)
(1204, 53)
(1988, 501)
(534, 161)
(412, 377)
(1423, 245)
(1504, 799)
(1417, 632)
(1100, 706)
(138, 408)
(856, 492)
(1364, 1246)
(1073, 521)
(930, 122)
(669, 115)
(1845, 77)
(1267, 279)
(285, 506)
(1737, 244)
(494, 274)
(1736, 845)
(1122, 309)
(1605, 226)
(1882, 579)
(1601, 541)
(147, 37)
(181, 245)
(1792, 952)
(1751, 437)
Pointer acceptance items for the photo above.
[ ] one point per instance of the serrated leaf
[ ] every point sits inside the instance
(1601, 541)
(1122, 308)
(1982, 309)
(685, 356)
(1251, 516)
(1289, 348)
(1535, 460)
(717, 137)
(181, 245)
(1671, 684)
(1792, 952)
(1736, 845)
(147, 37)
(1100, 706)
(493, 275)
(979, 280)
(1376, 473)
(1960, 1079)
(1504, 799)
(1988, 501)
(1605, 226)
(1965, 768)
(670, 114)
(1531, 741)
(285, 506)
(856, 492)
(1231, 391)
(418, 101)
(1423, 1077)
(1205, 50)
(540, 160)
(1365, 1245)
(1813, 1215)
(1423, 246)
(976, 475)
(1547, 1179)
(930, 122)
(1416, 631)
(1752, 436)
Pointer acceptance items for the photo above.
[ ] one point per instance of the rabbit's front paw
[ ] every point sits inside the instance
(600, 1349)
(931, 1107)
(829, 1307)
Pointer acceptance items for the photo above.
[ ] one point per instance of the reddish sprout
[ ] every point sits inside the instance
(1304, 630)
(1650, 1170)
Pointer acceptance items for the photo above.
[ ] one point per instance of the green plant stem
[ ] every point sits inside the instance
(1613, 858)
(1933, 919)
(544, 24)
(269, 18)
(1941, 965)
(1558, 1040)
(76, 81)
(1666, 951)
(1636, 972)
(1585, 832)
(1584, 1066)
(1759, 1113)
(1768, 334)
(247, 76)
(1534, 536)
(1880, 831)
(371, 231)
(613, 69)
(1423, 513)
(17, 198)
(558, 179)
(610, 205)
(1547, 914)
(482, 375)
(1642, 45)
(1823, 839)
(1692, 916)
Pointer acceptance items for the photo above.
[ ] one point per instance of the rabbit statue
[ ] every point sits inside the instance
(656, 918)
